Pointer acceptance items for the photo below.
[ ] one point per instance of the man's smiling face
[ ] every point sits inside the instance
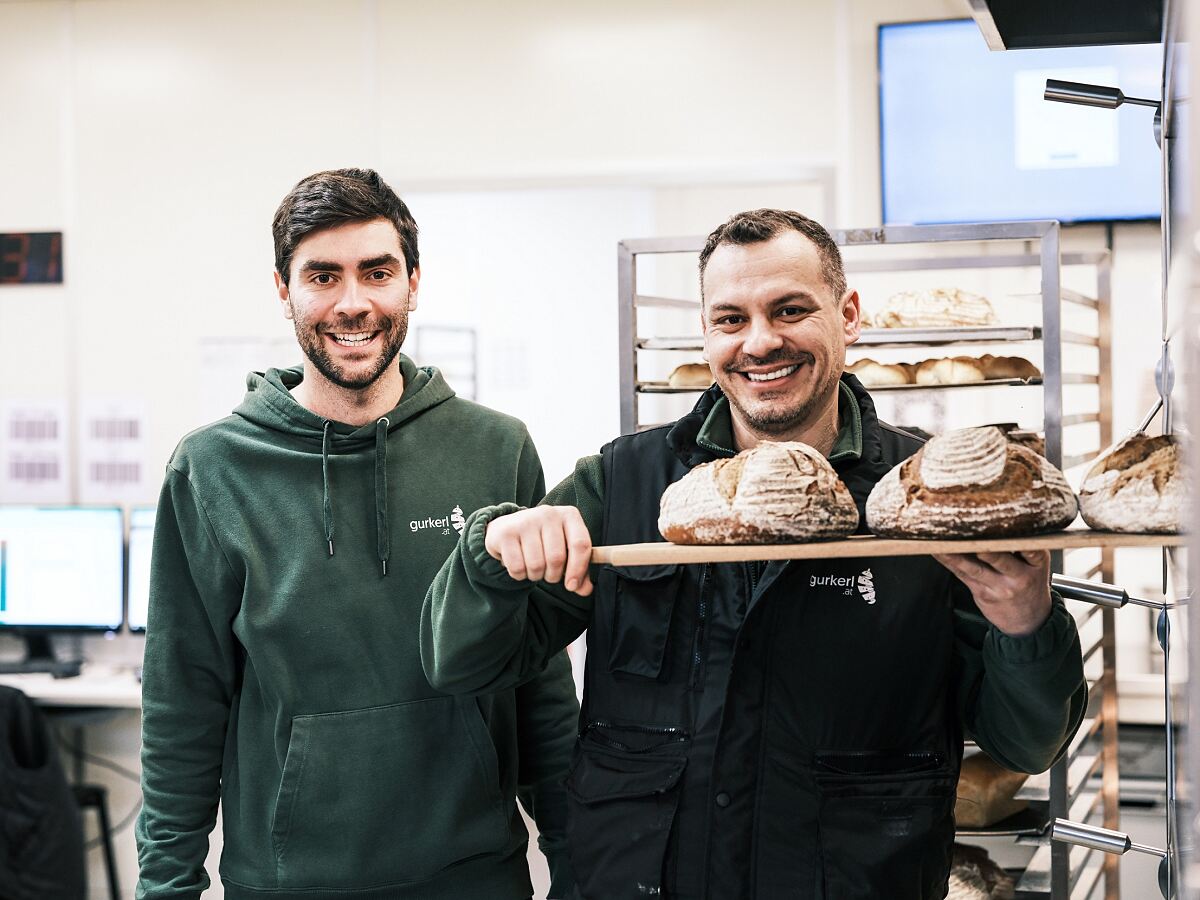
(774, 333)
(349, 296)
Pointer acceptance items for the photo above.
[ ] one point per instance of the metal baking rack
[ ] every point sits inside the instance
(1083, 785)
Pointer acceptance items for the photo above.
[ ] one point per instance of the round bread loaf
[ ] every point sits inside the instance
(970, 483)
(1136, 486)
(877, 374)
(691, 375)
(953, 370)
(773, 493)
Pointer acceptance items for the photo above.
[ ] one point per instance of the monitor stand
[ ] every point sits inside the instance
(39, 657)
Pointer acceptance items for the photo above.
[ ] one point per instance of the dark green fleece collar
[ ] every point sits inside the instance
(716, 434)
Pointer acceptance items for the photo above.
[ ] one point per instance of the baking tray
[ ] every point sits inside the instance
(662, 553)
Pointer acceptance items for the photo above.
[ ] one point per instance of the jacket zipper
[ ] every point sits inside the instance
(925, 759)
(674, 735)
(701, 622)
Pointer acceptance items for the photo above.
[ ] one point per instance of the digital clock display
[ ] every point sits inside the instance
(31, 258)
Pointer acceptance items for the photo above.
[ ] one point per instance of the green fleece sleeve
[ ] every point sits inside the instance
(547, 719)
(482, 630)
(1021, 698)
(188, 686)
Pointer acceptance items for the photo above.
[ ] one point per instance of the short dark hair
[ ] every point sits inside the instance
(336, 197)
(757, 225)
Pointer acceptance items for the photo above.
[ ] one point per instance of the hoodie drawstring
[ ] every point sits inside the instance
(328, 496)
(383, 533)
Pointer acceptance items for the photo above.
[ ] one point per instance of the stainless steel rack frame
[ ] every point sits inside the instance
(1084, 783)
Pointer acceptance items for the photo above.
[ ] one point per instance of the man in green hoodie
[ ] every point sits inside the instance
(294, 543)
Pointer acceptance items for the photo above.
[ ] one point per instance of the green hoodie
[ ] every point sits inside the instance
(282, 674)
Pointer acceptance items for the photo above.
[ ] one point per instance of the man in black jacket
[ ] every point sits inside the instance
(787, 730)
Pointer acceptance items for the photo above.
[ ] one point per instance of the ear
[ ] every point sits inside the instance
(851, 317)
(284, 298)
(414, 283)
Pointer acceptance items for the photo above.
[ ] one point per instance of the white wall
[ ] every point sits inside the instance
(159, 135)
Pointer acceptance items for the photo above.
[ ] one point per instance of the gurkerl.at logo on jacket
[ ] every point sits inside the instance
(864, 584)
(455, 520)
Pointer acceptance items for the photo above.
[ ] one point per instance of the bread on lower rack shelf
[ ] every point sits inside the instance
(999, 367)
(774, 493)
(691, 375)
(934, 308)
(985, 792)
(970, 483)
(952, 370)
(975, 876)
(877, 374)
(1137, 485)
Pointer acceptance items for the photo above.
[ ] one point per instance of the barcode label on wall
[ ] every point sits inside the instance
(114, 473)
(115, 429)
(36, 429)
(33, 470)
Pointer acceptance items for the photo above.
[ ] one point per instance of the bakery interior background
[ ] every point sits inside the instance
(528, 139)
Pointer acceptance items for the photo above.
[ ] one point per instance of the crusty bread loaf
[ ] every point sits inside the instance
(935, 308)
(773, 493)
(975, 876)
(691, 375)
(970, 483)
(997, 367)
(952, 370)
(1030, 439)
(985, 792)
(1137, 486)
(877, 374)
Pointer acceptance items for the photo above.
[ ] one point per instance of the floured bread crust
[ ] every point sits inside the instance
(970, 483)
(935, 308)
(1137, 486)
(774, 493)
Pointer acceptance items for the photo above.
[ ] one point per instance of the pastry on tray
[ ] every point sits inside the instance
(877, 374)
(691, 375)
(1138, 485)
(970, 483)
(774, 493)
(985, 793)
(953, 370)
(997, 367)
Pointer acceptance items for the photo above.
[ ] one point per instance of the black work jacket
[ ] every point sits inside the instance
(41, 836)
(751, 731)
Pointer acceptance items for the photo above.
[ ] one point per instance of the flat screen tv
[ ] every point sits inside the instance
(965, 135)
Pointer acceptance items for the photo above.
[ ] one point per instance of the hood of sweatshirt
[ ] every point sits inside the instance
(269, 404)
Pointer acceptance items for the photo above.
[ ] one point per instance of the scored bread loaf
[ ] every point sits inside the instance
(970, 483)
(1137, 486)
(952, 370)
(772, 493)
(877, 374)
(935, 308)
(691, 375)
(975, 876)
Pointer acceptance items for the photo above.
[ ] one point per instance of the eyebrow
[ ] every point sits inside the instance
(793, 297)
(324, 265)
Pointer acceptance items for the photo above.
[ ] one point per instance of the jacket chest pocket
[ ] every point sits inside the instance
(644, 606)
(886, 824)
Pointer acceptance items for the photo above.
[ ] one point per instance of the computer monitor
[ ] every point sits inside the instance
(966, 136)
(60, 571)
(141, 540)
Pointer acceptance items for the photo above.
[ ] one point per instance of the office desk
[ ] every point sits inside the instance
(96, 686)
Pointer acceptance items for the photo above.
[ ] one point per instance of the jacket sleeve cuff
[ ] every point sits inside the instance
(483, 568)
(1044, 644)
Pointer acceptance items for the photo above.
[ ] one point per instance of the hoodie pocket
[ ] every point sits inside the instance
(645, 602)
(619, 817)
(386, 795)
(886, 824)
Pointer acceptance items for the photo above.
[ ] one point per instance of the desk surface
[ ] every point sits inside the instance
(95, 686)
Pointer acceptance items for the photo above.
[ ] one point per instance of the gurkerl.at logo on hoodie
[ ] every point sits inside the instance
(455, 520)
(864, 584)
